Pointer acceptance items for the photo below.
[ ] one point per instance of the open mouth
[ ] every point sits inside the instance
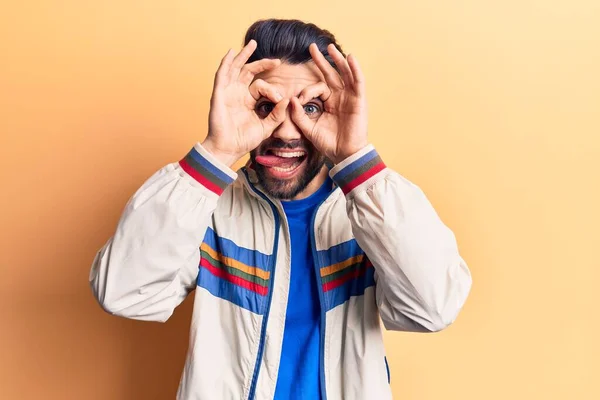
(282, 163)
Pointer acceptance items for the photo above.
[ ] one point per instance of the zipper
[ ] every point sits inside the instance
(387, 368)
(252, 392)
(263, 332)
(321, 301)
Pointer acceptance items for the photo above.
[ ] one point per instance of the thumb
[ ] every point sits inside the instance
(275, 117)
(301, 119)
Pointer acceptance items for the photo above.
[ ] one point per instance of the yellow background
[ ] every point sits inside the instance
(492, 107)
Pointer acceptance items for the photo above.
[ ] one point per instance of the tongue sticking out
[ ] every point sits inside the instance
(276, 161)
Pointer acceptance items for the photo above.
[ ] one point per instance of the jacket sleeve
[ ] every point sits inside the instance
(421, 280)
(151, 263)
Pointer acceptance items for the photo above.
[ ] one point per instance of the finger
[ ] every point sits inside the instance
(242, 58)
(320, 90)
(260, 88)
(224, 67)
(331, 75)
(275, 117)
(249, 71)
(342, 65)
(301, 119)
(359, 77)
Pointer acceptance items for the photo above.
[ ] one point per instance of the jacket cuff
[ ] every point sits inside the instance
(207, 170)
(354, 172)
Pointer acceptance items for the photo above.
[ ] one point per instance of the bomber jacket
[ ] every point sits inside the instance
(381, 254)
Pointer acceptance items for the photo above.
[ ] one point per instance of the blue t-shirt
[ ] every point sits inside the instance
(298, 377)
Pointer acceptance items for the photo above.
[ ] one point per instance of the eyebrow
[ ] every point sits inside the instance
(261, 98)
(317, 98)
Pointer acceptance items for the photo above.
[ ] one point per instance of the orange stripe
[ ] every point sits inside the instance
(230, 262)
(341, 265)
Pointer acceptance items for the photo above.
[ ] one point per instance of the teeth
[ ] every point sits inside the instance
(287, 169)
(289, 155)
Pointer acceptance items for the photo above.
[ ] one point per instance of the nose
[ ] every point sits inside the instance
(287, 131)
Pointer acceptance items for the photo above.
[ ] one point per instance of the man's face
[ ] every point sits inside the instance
(287, 162)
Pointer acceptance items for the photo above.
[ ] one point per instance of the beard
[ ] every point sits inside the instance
(287, 189)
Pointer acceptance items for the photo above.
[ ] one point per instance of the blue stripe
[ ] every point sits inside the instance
(209, 166)
(356, 164)
(339, 253)
(227, 248)
(354, 287)
(228, 291)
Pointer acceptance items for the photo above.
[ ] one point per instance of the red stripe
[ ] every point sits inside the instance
(236, 280)
(363, 177)
(340, 281)
(200, 178)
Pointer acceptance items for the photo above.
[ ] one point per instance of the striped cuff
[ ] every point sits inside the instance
(357, 169)
(207, 170)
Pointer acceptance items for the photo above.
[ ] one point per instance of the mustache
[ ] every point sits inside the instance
(277, 143)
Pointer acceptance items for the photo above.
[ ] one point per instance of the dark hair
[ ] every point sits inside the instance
(288, 40)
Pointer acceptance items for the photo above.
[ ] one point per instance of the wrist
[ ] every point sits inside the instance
(226, 158)
(358, 169)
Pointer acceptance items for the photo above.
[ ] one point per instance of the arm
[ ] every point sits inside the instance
(151, 263)
(421, 280)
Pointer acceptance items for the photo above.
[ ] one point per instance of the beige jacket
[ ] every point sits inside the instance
(381, 253)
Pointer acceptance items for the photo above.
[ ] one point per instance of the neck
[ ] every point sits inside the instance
(314, 185)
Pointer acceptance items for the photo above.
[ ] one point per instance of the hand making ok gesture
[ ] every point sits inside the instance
(341, 130)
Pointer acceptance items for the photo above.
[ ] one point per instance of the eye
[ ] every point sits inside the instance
(264, 109)
(312, 110)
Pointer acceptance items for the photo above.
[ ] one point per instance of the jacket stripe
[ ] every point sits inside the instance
(346, 271)
(350, 288)
(229, 249)
(214, 170)
(355, 273)
(348, 169)
(231, 292)
(332, 269)
(364, 177)
(204, 172)
(234, 271)
(341, 273)
(221, 273)
(339, 253)
(200, 178)
(367, 162)
(359, 171)
(230, 262)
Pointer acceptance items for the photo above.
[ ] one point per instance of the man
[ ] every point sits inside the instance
(302, 251)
